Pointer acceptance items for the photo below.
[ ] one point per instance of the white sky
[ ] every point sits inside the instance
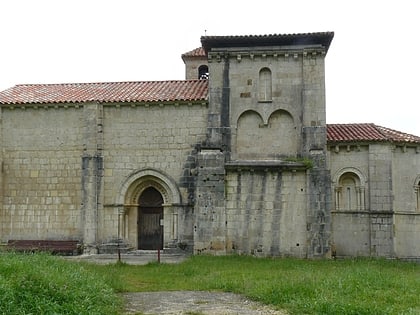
(372, 67)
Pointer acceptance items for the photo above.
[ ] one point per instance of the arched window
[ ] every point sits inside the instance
(417, 190)
(203, 72)
(265, 85)
(349, 194)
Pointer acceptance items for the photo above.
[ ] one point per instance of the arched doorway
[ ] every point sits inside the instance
(150, 218)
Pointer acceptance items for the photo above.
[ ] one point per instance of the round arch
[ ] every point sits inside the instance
(139, 180)
(417, 181)
(349, 189)
(355, 171)
(128, 201)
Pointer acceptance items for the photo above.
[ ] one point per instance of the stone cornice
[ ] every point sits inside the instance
(276, 54)
(266, 165)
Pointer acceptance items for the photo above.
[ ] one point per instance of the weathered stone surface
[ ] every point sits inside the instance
(248, 171)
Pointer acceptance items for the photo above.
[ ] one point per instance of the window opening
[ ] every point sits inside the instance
(265, 85)
(349, 195)
(203, 72)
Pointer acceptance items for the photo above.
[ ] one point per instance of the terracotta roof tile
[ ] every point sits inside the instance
(198, 52)
(366, 132)
(149, 91)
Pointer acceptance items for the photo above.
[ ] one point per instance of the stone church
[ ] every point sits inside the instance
(236, 158)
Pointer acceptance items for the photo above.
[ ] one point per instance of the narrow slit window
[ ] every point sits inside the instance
(265, 85)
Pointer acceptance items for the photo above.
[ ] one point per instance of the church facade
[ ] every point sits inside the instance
(236, 158)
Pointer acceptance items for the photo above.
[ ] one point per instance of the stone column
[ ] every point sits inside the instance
(121, 222)
(337, 198)
(314, 140)
(92, 175)
(210, 211)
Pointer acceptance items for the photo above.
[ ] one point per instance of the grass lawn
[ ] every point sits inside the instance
(43, 284)
(359, 286)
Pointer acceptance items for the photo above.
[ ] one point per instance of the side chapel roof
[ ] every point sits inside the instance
(337, 133)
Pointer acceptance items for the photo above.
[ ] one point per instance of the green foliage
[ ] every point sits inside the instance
(359, 286)
(43, 284)
(305, 161)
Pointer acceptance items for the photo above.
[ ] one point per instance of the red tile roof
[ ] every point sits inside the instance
(150, 91)
(366, 132)
(198, 52)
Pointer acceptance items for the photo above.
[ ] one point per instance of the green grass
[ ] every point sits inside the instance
(42, 284)
(360, 286)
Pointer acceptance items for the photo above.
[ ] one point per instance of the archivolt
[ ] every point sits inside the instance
(139, 180)
(350, 170)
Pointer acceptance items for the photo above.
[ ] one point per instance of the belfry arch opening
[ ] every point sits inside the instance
(203, 72)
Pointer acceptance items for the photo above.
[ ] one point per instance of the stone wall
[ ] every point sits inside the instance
(405, 179)
(41, 172)
(64, 168)
(265, 212)
(382, 219)
(159, 138)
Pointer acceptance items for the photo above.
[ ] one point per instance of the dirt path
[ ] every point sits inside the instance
(194, 303)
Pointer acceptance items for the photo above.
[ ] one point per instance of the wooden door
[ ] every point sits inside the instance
(150, 216)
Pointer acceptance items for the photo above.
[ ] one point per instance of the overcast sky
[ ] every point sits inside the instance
(372, 67)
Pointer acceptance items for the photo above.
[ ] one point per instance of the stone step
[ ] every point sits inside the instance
(165, 251)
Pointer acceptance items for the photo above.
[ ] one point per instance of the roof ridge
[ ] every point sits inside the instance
(273, 34)
(104, 82)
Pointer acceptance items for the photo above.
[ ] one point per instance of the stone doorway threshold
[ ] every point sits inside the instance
(133, 258)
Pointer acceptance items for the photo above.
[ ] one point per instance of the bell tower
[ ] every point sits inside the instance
(196, 65)
(262, 169)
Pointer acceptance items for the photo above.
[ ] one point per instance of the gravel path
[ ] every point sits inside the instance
(194, 303)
